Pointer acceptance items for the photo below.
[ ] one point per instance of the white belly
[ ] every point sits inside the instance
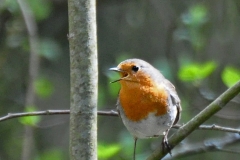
(152, 126)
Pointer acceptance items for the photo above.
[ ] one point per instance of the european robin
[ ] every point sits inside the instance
(148, 103)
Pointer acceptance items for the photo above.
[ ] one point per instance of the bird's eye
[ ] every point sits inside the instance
(135, 68)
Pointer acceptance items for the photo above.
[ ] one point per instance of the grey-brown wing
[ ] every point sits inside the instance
(174, 98)
(117, 106)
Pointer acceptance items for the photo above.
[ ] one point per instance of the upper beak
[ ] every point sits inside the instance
(116, 69)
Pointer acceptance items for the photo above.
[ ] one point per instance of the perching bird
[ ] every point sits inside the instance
(148, 103)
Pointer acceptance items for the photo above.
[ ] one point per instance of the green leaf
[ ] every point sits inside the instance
(106, 151)
(206, 69)
(43, 87)
(230, 76)
(195, 71)
(29, 120)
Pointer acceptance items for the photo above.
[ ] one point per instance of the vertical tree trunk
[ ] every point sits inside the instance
(84, 78)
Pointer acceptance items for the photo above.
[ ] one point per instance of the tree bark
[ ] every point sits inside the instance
(84, 79)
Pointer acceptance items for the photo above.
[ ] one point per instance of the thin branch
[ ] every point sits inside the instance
(211, 145)
(50, 112)
(219, 128)
(37, 113)
(31, 26)
(109, 113)
(213, 127)
(229, 151)
(196, 121)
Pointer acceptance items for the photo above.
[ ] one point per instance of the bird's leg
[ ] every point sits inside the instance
(135, 145)
(165, 143)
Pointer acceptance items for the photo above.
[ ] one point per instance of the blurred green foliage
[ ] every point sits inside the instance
(30, 120)
(107, 151)
(11, 5)
(195, 20)
(198, 15)
(41, 8)
(51, 154)
(122, 56)
(187, 41)
(113, 88)
(230, 76)
(43, 87)
(194, 72)
(164, 67)
(50, 49)
(127, 141)
(101, 96)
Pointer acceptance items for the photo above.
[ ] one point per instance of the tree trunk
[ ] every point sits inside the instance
(84, 79)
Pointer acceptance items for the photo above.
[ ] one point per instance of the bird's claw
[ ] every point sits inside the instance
(166, 145)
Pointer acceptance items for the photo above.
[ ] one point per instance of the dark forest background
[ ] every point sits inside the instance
(195, 44)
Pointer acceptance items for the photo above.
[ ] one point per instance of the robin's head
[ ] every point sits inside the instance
(136, 71)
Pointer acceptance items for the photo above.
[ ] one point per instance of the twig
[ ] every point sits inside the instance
(214, 128)
(50, 112)
(109, 113)
(47, 112)
(31, 26)
(219, 128)
(211, 145)
(204, 115)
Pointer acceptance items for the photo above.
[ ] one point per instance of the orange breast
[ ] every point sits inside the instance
(138, 100)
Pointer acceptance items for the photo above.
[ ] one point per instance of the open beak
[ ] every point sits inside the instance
(116, 69)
